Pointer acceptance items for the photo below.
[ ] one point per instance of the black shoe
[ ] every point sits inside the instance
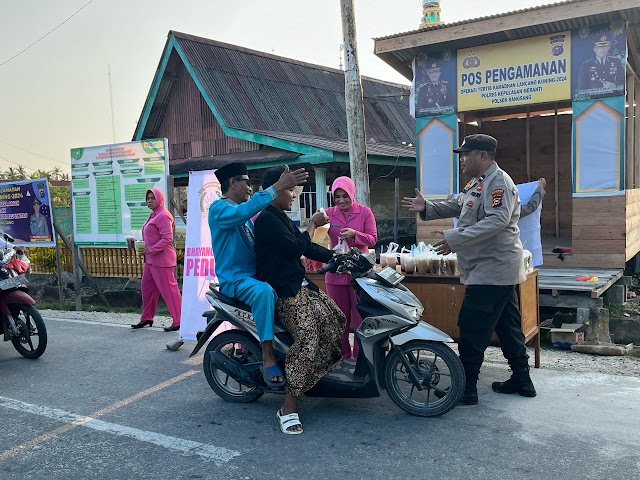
(172, 328)
(470, 395)
(519, 383)
(143, 324)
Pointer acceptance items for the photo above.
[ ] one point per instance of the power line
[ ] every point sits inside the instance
(18, 164)
(36, 154)
(47, 34)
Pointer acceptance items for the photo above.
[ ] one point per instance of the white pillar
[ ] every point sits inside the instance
(321, 187)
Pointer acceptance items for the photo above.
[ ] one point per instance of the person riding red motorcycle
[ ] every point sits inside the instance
(19, 319)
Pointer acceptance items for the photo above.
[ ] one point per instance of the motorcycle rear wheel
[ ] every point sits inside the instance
(439, 370)
(242, 348)
(31, 327)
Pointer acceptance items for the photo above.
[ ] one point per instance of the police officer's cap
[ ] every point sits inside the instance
(602, 41)
(478, 141)
(433, 67)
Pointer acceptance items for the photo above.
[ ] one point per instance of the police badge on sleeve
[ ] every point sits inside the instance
(496, 197)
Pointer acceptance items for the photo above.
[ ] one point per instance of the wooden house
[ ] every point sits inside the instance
(218, 103)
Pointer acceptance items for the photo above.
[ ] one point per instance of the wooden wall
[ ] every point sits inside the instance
(599, 231)
(190, 126)
(512, 157)
(632, 223)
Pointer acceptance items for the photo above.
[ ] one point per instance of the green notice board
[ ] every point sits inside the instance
(109, 184)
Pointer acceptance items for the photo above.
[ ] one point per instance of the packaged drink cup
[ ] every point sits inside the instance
(410, 265)
(138, 245)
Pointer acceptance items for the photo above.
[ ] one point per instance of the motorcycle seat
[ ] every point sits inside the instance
(231, 301)
(279, 327)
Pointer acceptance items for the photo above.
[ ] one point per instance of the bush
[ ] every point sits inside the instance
(43, 258)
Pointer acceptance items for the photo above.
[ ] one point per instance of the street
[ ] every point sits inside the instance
(108, 402)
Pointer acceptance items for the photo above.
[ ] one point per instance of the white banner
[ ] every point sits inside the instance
(199, 264)
(530, 225)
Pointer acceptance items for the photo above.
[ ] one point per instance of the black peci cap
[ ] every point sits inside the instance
(231, 170)
(478, 141)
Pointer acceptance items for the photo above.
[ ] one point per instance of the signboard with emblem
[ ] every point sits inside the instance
(25, 212)
(520, 72)
(109, 184)
(580, 64)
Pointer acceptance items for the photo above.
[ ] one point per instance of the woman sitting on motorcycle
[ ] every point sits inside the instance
(313, 319)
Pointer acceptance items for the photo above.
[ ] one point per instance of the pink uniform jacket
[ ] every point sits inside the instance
(157, 234)
(363, 222)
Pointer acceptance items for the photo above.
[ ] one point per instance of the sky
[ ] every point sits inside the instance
(55, 96)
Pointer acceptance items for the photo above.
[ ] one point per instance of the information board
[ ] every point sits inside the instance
(109, 185)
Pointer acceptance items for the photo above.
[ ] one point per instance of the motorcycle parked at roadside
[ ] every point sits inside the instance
(20, 320)
(399, 352)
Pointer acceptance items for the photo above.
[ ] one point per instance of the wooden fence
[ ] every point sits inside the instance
(100, 262)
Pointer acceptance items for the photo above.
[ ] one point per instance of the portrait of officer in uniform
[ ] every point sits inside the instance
(434, 94)
(601, 72)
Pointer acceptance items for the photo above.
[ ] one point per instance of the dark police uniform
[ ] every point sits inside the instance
(435, 95)
(490, 257)
(594, 72)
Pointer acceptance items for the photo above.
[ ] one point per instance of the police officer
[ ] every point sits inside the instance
(603, 71)
(435, 93)
(490, 258)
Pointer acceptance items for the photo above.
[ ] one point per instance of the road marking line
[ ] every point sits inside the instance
(214, 453)
(210, 452)
(197, 360)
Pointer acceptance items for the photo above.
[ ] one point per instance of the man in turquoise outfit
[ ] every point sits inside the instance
(232, 240)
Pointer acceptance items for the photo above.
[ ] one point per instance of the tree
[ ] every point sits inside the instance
(60, 195)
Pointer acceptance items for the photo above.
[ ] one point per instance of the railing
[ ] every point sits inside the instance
(100, 262)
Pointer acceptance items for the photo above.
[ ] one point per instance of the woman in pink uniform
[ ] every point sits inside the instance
(159, 263)
(354, 224)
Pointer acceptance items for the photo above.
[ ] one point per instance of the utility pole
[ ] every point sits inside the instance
(354, 105)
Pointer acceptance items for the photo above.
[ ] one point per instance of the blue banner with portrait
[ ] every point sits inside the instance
(25, 212)
(599, 60)
(435, 84)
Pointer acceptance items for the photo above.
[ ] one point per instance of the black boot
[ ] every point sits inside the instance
(470, 395)
(520, 381)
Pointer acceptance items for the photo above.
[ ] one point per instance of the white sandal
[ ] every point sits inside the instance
(288, 421)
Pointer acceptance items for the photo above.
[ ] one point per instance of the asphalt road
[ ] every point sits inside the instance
(105, 402)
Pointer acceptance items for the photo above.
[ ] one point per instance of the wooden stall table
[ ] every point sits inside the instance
(442, 299)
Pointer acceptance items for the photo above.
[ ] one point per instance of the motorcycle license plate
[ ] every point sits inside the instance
(13, 282)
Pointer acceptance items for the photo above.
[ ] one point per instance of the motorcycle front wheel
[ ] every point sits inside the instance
(437, 369)
(242, 348)
(31, 341)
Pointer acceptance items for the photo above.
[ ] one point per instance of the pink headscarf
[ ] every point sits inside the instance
(346, 184)
(160, 208)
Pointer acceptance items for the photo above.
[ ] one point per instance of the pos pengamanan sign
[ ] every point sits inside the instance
(519, 72)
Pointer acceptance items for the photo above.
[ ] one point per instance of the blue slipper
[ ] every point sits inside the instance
(270, 372)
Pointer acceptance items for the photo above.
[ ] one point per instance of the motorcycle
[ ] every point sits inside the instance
(399, 352)
(19, 319)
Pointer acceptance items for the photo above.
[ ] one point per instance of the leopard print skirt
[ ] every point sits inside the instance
(316, 325)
